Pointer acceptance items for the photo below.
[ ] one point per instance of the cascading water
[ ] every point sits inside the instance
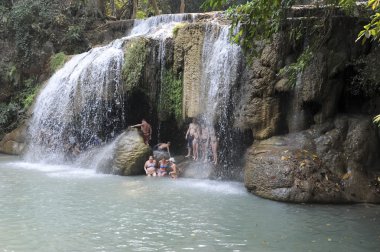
(83, 102)
(221, 62)
(79, 102)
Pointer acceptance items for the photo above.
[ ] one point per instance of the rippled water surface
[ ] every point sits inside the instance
(58, 208)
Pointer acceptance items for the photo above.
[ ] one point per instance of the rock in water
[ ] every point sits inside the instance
(130, 154)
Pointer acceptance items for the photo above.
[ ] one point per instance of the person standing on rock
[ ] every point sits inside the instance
(214, 145)
(205, 139)
(193, 128)
(150, 167)
(146, 130)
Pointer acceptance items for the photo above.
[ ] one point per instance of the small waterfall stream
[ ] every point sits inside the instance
(221, 62)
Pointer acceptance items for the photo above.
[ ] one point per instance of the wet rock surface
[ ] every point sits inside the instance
(323, 164)
(130, 154)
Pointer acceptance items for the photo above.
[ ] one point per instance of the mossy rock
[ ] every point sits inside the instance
(135, 54)
(131, 154)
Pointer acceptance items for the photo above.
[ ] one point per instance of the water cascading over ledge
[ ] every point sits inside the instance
(84, 102)
(87, 101)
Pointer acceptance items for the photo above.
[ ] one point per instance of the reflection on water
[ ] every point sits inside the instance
(61, 208)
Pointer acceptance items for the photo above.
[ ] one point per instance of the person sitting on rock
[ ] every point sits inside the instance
(150, 167)
(162, 171)
(173, 173)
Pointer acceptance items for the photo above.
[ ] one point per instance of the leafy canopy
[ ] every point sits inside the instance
(372, 29)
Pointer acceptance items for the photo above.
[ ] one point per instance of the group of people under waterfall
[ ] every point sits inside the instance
(162, 168)
(199, 138)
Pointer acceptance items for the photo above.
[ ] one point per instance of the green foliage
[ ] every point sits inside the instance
(292, 71)
(215, 5)
(366, 81)
(57, 61)
(12, 73)
(254, 21)
(376, 120)
(347, 5)
(177, 27)
(141, 14)
(25, 97)
(29, 21)
(28, 96)
(10, 112)
(134, 62)
(171, 96)
(258, 20)
(74, 33)
(372, 29)
(7, 113)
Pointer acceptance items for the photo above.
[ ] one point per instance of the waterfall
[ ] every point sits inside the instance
(83, 103)
(220, 64)
(221, 61)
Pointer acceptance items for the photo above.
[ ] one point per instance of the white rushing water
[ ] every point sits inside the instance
(220, 60)
(85, 98)
(83, 103)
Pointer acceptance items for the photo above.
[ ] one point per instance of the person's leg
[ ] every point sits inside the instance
(189, 145)
(195, 149)
(214, 153)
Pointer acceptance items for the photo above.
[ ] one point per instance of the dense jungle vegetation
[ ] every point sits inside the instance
(36, 36)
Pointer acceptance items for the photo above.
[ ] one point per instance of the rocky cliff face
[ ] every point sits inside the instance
(188, 58)
(327, 151)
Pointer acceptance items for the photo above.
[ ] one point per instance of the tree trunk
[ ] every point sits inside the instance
(113, 8)
(134, 8)
(182, 7)
(155, 7)
(101, 7)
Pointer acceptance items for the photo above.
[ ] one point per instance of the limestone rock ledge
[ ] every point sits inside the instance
(323, 164)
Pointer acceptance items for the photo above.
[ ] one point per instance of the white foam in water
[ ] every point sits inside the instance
(234, 188)
(63, 171)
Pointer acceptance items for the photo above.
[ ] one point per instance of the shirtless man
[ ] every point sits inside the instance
(146, 130)
(162, 146)
(150, 167)
(193, 127)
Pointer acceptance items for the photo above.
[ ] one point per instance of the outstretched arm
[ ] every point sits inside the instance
(137, 125)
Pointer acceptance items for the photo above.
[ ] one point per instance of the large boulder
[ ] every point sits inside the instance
(13, 143)
(130, 154)
(333, 162)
